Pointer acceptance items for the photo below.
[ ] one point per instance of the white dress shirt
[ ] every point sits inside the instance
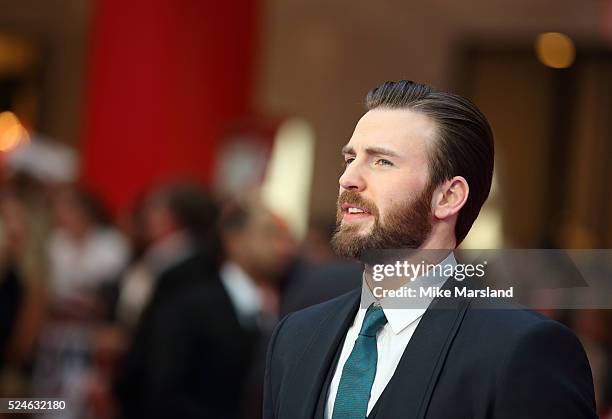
(243, 293)
(391, 341)
(82, 265)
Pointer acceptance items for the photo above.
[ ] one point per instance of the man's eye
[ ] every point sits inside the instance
(348, 161)
(383, 162)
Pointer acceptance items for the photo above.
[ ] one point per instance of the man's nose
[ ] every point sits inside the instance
(352, 179)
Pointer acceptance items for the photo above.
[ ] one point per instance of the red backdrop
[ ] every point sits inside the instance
(165, 76)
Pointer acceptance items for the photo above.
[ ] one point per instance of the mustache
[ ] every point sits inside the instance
(354, 198)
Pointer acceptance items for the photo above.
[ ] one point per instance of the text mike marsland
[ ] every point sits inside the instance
(438, 292)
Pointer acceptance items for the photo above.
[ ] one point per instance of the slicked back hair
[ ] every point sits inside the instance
(464, 143)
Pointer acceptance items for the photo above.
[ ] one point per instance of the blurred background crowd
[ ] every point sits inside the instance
(168, 176)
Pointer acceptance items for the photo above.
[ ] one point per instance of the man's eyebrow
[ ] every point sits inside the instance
(347, 149)
(371, 151)
(381, 151)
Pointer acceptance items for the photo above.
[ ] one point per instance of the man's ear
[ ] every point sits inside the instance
(450, 197)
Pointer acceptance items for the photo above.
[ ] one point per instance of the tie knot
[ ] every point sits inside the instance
(373, 321)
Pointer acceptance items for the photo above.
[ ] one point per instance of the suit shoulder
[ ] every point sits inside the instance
(544, 354)
(313, 315)
(509, 326)
(504, 316)
(298, 328)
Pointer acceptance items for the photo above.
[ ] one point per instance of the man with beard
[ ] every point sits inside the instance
(418, 169)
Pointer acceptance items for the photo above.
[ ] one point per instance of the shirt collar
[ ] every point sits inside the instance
(168, 252)
(243, 292)
(400, 318)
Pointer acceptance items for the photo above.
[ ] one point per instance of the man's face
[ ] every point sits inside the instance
(265, 245)
(385, 197)
(159, 221)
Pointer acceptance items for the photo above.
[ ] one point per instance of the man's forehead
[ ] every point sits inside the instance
(393, 129)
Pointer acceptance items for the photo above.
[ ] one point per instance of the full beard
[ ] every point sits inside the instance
(407, 225)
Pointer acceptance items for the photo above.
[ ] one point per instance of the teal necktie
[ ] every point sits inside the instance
(359, 370)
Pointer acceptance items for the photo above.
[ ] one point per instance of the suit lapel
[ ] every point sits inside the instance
(412, 384)
(312, 368)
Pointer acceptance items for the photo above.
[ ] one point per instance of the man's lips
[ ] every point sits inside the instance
(351, 211)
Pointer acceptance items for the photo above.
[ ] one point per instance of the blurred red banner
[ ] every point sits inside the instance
(164, 78)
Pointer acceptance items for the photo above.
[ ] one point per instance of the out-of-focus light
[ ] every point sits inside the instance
(17, 54)
(12, 133)
(287, 184)
(555, 50)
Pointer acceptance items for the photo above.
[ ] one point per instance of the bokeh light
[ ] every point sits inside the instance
(12, 133)
(555, 50)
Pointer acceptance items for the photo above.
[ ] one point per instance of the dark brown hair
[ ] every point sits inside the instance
(464, 144)
(195, 210)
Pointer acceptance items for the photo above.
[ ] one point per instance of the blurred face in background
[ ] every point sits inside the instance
(385, 197)
(264, 247)
(70, 215)
(14, 218)
(158, 220)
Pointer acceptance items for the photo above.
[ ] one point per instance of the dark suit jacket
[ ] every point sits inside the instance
(462, 362)
(11, 293)
(189, 355)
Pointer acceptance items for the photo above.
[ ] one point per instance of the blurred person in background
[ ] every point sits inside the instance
(316, 247)
(30, 174)
(189, 353)
(123, 300)
(259, 252)
(11, 286)
(84, 252)
(310, 281)
(591, 326)
(24, 229)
